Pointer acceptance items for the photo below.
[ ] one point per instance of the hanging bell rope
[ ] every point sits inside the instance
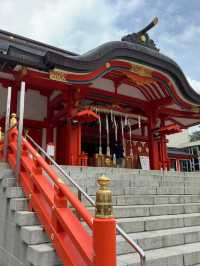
(123, 139)
(108, 140)
(130, 135)
(111, 115)
(100, 144)
(115, 113)
(126, 121)
(115, 125)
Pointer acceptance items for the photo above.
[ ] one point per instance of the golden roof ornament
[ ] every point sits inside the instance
(142, 37)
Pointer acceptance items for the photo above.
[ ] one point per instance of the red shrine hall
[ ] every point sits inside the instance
(124, 92)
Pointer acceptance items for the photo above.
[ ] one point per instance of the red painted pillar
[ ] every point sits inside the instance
(14, 98)
(178, 167)
(164, 153)
(104, 226)
(153, 146)
(104, 234)
(49, 137)
(73, 131)
(73, 143)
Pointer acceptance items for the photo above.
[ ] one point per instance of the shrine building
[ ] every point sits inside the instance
(123, 91)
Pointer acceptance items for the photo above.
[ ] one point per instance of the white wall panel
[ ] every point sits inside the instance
(35, 107)
(3, 99)
(104, 84)
(130, 91)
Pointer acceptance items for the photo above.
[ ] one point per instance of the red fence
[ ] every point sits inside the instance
(50, 198)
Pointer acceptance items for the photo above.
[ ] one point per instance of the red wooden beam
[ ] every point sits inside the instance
(58, 100)
(161, 102)
(178, 113)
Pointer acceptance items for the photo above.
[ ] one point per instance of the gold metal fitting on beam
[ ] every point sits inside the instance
(13, 120)
(104, 207)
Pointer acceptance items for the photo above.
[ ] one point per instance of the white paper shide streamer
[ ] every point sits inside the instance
(130, 135)
(108, 140)
(123, 140)
(115, 125)
(139, 121)
(100, 144)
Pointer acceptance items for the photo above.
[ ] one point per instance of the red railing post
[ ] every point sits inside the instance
(104, 227)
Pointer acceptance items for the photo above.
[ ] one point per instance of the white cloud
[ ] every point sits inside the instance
(195, 84)
(76, 25)
(81, 25)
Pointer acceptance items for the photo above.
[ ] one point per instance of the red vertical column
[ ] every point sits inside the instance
(73, 143)
(49, 138)
(165, 159)
(73, 132)
(178, 167)
(14, 98)
(153, 147)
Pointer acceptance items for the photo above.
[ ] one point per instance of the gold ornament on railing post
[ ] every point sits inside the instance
(104, 208)
(13, 120)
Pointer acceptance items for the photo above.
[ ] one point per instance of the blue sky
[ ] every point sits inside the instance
(81, 25)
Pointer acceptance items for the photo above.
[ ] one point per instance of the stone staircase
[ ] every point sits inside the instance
(160, 211)
(23, 241)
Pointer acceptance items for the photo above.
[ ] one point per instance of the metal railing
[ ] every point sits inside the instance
(132, 243)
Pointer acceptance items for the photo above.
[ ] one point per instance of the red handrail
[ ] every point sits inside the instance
(49, 197)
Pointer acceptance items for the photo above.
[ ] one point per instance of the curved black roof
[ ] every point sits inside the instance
(19, 50)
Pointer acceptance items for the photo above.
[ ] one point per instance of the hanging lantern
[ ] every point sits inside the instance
(108, 140)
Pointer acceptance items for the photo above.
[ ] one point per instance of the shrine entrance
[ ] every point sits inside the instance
(100, 137)
(122, 92)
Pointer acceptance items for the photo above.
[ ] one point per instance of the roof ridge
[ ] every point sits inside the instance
(13, 37)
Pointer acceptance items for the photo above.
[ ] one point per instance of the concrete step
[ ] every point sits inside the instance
(151, 223)
(26, 218)
(150, 199)
(14, 192)
(155, 199)
(146, 190)
(34, 234)
(153, 210)
(42, 255)
(182, 255)
(5, 172)
(18, 204)
(4, 165)
(160, 239)
(8, 182)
